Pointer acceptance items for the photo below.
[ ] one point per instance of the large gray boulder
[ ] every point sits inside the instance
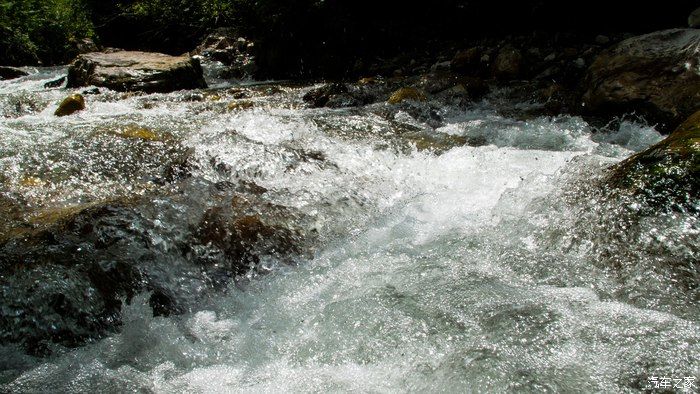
(656, 75)
(136, 71)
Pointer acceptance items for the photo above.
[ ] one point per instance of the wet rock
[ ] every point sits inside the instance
(602, 40)
(91, 91)
(467, 61)
(136, 71)
(694, 18)
(240, 105)
(656, 75)
(164, 303)
(235, 53)
(406, 94)
(367, 81)
(70, 105)
(437, 82)
(56, 83)
(340, 95)
(667, 173)
(141, 133)
(507, 64)
(248, 229)
(451, 85)
(441, 66)
(11, 73)
(65, 272)
(320, 96)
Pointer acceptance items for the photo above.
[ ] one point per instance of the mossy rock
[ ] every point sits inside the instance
(667, 172)
(70, 105)
(141, 133)
(406, 94)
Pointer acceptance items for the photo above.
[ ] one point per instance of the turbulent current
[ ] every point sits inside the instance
(418, 247)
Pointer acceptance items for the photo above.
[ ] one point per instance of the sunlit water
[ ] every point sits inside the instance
(477, 254)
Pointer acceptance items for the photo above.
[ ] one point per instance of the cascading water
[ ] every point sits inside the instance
(475, 254)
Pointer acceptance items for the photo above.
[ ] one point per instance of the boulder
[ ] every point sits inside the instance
(694, 18)
(507, 63)
(340, 95)
(247, 230)
(467, 61)
(406, 94)
(70, 105)
(60, 281)
(11, 73)
(235, 53)
(667, 172)
(319, 97)
(86, 45)
(656, 76)
(136, 71)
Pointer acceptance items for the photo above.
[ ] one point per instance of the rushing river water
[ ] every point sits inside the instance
(437, 248)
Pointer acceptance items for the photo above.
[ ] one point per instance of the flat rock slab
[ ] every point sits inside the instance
(136, 71)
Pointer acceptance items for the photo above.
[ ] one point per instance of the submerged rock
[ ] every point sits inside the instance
(656, 75)
(61, 279)
(320, 96)
(248, 229)
(11, 73)
(666, 173)
(70, 105)
(136, 71)
(339, 95)
(141, 133)
(240, 105)
(56, 83)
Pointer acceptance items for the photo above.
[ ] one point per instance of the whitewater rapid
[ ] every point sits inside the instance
(441, 266)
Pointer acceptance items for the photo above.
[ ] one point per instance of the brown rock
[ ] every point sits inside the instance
(136, 71)
(406, 94)
(468, 60)
(656, 75)
(70, 105)
(507, 64)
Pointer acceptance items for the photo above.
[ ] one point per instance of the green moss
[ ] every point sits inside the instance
(70, 105)
(666, 172)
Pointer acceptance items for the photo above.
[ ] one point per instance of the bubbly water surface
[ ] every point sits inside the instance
(442, 266)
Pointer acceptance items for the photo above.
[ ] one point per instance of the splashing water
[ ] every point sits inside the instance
(477, 256)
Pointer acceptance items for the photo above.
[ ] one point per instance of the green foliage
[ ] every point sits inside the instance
(41, 30)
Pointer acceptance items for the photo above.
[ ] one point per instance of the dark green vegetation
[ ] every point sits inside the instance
(306, 37)
(42, 30)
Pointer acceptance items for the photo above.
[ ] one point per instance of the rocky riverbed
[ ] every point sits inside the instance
(395, 232)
